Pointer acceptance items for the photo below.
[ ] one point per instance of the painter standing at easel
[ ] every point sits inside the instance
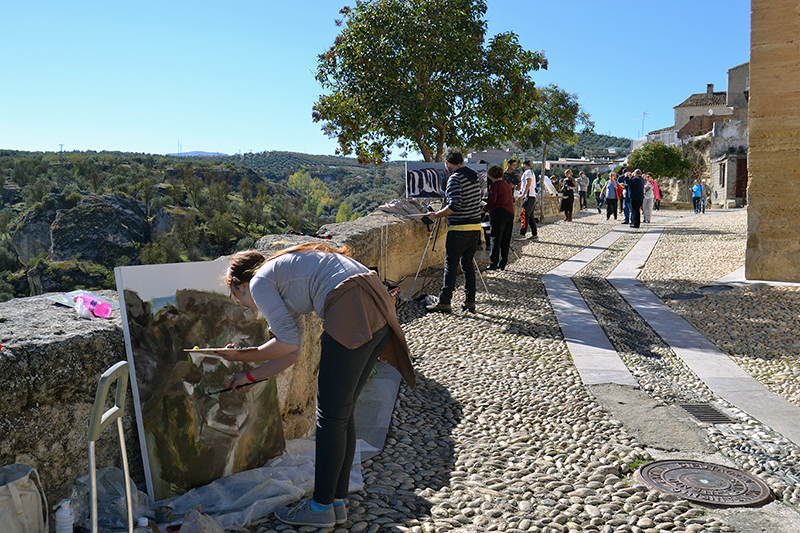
(463, 212)
(359, 326)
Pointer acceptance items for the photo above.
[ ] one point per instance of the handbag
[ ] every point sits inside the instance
(21, 508)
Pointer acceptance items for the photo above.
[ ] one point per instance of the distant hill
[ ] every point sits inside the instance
(280, 161)
(589, 145)
(198, 153)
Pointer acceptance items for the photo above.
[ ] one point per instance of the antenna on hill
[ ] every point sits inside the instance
(179, 148)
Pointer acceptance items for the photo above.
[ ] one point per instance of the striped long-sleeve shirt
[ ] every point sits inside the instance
(464, 197)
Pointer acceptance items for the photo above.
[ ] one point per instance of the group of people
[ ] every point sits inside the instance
(637, 194)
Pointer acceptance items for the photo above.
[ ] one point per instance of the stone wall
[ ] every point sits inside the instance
(50, 364)
(773, 223)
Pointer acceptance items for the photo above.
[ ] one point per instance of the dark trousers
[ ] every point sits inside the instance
(696, 202)
(599, 200)
(636, 212)
(611, 208)
(528, 217)
(460, 249)
(502, 227)
(342, 375)
(626, 209)
(583, 201)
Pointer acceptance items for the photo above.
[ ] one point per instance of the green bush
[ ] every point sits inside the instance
(6, 289)
(72, 199)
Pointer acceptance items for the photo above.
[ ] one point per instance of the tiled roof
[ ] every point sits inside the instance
(662, 130)
(705, 99)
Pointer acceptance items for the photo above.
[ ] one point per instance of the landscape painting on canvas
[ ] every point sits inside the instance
(191, 437)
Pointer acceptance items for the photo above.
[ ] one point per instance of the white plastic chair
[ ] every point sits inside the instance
(99, 421)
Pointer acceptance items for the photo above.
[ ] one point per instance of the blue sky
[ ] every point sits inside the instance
(151, 76)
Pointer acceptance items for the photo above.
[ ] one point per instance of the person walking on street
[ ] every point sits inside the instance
(500, 207)
(463, 212)
(657, 194)
(611, 192)
(706, 194)
(636, 194)
(649, 197)
(597, 186)
(625, 198)
(316, 277)
(568, 187)
(697, 196)
(528, 199)
(511, 175)
(583, 189)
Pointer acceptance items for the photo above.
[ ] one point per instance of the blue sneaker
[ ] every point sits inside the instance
(302, 515)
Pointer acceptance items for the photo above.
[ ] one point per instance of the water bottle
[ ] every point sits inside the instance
(65, 518)
(143, 526)
(98, 308)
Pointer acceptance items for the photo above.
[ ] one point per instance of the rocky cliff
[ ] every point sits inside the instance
(101, 229)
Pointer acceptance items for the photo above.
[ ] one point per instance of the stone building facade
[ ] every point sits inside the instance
(773, 194)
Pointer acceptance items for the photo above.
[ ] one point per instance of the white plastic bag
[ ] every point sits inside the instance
(83, 312)
(197, 522)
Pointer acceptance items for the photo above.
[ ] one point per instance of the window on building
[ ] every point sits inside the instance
(722, 173)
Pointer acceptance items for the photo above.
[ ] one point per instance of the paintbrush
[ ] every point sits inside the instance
(237, 388)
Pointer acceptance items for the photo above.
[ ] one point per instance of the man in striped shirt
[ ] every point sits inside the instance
(463, 212)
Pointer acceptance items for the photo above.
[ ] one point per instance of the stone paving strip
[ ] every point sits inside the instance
(721, 374)
(596, 359)
(501, 434)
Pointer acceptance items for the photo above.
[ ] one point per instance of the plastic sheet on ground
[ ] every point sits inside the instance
(112, 513)
(234, 501)
(246, 497)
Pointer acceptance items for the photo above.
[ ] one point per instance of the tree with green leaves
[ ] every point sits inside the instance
(419, 75)
(660, 159)
(663, 161)
(6, 216)
(556, 120)
(191, 183)
(314, 191)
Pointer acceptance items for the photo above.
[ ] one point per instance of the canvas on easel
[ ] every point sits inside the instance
(188, 436)
(429, 180)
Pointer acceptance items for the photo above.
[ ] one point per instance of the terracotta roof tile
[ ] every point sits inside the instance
(705, 99)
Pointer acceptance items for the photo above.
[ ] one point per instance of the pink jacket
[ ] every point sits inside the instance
(656, 192)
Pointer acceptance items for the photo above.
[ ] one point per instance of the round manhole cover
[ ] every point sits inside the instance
(715, 288)
(685, 296)
(705, 483)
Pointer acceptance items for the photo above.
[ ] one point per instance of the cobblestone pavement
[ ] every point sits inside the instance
(501, 435)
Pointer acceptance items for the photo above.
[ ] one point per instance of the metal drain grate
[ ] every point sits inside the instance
(707, 414)
(715, 288)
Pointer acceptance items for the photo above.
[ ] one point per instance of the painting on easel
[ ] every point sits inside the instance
(429, 180)
(190, 434)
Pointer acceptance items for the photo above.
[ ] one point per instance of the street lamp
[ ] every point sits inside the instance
(644, 115)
